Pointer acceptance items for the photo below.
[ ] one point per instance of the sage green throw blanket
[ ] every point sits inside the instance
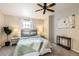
(28, 45)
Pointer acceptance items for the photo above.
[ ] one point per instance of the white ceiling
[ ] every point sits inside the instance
(22, 9)
(28, 9)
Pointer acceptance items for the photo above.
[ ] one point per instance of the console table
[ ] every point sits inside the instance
(68, 39)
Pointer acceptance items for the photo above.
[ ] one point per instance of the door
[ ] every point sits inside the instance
(51, 29)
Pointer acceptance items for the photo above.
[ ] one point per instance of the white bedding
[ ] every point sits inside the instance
(34, 42)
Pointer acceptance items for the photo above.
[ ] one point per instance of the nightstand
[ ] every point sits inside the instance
(14, 41)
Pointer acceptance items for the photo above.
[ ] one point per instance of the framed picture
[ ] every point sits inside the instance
(68, 22)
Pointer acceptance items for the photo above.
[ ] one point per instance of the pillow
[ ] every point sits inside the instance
(33, 33)
(26, 32)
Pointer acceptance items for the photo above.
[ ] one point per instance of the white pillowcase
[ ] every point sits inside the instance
(28, 33)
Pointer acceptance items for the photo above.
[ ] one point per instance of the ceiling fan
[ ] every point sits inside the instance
(45, 7)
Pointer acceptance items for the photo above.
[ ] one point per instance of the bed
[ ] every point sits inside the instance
(33, 45)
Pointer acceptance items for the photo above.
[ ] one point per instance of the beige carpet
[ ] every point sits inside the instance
(60, 51)
(7, 50)
(56, 51)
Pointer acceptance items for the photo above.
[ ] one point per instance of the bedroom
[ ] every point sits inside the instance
(20, 16)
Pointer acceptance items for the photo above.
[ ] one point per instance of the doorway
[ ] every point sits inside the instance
(51, 28)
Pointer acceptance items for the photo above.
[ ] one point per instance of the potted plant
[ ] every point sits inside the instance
(7, 32)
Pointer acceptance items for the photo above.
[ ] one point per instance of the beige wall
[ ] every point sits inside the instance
(46, 27)
(36, 24)
(14, 23)
(1, 25)
(73, 33)
(11, 21)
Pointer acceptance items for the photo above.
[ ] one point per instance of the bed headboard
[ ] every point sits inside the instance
(28, 32)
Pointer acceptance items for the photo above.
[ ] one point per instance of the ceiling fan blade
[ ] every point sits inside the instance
(38, 10)
(39, 5)
(51, 5)
(44, 11)
(50, 10)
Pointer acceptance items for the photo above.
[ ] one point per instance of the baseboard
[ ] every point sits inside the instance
(75, 51)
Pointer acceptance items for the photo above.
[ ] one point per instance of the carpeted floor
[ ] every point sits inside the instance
(7, 50)
(59, 51)
(56, 51)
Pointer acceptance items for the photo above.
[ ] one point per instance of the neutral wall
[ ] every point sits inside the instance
(46, 27)
(36, 24)
(14, 23)
(65, 11)
(1, 25)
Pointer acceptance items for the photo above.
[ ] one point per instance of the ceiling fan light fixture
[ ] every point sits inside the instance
(45, 7)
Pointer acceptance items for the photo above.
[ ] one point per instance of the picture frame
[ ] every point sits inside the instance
(68, 22)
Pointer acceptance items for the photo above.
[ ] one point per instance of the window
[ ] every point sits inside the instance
(28, 24)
